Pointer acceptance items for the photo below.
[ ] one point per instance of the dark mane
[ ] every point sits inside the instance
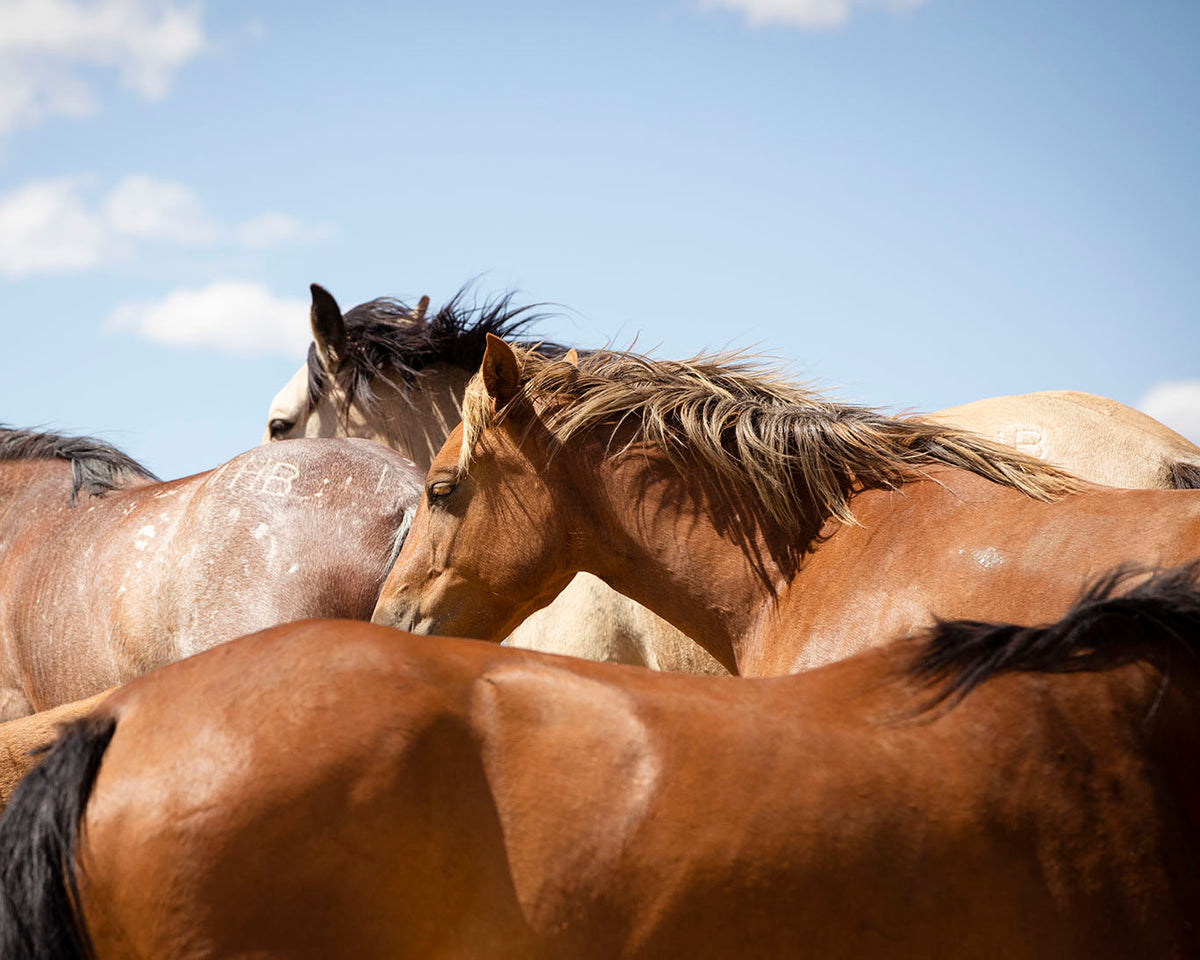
(1153, 621)
(96, 466)
(383, 343)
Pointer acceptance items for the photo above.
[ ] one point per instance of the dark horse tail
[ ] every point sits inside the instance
(39, 836)
(1185, 475)
(1156, 621)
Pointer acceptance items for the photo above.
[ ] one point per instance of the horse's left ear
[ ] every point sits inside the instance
(501, 370)
(328, 327)
(572, 357)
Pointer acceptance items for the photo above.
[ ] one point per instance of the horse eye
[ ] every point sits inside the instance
(279, 427)
(440, 489)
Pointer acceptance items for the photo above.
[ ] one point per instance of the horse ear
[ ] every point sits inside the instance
(572, 357)
(501, 370)
(418, 313)
(328, 327)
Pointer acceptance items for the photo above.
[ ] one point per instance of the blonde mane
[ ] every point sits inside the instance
(799, 454)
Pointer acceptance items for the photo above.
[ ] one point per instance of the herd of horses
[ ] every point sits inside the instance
(967, 649)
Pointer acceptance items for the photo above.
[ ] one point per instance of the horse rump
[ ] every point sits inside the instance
(39, 834)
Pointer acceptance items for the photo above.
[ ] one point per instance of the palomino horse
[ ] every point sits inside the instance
(1095, 438)
(105, 573)
(333, 789)
(388, 373)
(774, 527)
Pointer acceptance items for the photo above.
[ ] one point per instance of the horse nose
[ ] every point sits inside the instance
(396, 611)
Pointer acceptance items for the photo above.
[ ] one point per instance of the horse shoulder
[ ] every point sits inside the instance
(574, 771)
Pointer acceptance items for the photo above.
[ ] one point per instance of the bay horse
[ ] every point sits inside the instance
(396, 374)
(106, 573)
(332, 788)
(776, 528)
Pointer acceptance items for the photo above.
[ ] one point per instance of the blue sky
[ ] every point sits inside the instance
(916, 202)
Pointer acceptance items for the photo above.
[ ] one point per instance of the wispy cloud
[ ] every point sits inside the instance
(144, 208)
(272, 229)
(809, 14)
(63, 224)
(1177, 404)
(228, 316)
(49, 50)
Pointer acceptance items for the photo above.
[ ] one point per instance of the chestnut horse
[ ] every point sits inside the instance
(333, 789)
(22, 739)
(774, 527)
(387, 372)
(106, 573)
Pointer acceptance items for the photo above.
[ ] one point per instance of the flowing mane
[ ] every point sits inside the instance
(1102, 630)
(96, 466)
(390, 341)
(799, 454)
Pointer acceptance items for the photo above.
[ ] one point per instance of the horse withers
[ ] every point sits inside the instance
(336, 789)
(106, 573)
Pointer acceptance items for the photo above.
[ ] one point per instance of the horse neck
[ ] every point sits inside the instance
(26, 480)
(692, 552)
(415, 421)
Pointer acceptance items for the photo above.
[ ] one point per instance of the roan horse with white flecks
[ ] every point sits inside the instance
(106, 573)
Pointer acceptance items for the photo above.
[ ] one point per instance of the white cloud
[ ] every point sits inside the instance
(812, 14)
(271, 229)
(46, 227)
(229, 316)
(62, 224)
(48, 47)
(150, 209)
(1177, 404)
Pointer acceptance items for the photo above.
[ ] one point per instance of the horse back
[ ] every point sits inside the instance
(958, 546)
(405, 796)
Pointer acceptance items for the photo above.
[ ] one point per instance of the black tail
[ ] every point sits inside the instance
(1185, 476)
(1154, 621)
(39, 834)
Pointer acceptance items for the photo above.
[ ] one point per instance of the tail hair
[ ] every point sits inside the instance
(1185, 475)
(39, 837)
(1156, 620)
